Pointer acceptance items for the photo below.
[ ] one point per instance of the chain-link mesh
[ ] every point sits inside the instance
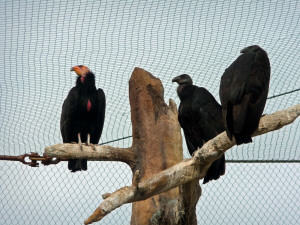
(41, 40)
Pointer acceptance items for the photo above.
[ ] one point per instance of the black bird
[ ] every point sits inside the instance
(243, 93)
(200, 117)
(83, 113)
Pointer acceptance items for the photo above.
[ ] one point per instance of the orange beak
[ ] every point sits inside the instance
(80, 70)
(77, 70)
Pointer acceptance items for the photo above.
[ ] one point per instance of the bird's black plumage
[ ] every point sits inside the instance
(243, 93)
(83, 114)
(200, 117)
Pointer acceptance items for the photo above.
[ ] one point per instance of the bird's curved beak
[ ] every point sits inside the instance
(176, 79)
(252, 47)
(77, 70)
(244, 50)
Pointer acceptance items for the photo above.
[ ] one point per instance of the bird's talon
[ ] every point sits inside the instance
(80, 146)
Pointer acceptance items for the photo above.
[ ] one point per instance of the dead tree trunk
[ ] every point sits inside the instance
(158, 145)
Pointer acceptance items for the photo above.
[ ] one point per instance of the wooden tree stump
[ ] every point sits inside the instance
(157, 142)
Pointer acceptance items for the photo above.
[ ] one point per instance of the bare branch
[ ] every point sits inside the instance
(116, 199)
(189, 170)
(92, 152)
(267, 123)
(113, 201)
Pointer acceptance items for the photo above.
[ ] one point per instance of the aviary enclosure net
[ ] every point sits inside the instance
(41, 40)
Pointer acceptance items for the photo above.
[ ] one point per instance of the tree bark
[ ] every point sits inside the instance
(157, 142)
(92, 153)
(165, 189)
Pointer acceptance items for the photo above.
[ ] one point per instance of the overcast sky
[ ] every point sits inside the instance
(40, 41)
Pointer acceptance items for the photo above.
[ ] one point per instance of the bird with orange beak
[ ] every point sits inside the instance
(83, 114)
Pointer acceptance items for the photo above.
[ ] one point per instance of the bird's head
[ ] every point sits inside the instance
(80, 70)
(183, 79)
(252, 48)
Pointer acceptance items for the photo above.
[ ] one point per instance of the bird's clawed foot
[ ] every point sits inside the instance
(93, 147)
(88, 141)
(80, 142)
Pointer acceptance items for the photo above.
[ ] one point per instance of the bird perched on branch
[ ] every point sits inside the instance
(200, 117)
(83, 113)
(243, 93)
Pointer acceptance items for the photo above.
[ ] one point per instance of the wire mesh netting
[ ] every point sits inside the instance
(41, 40)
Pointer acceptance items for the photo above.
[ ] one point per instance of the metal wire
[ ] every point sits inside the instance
(41, 40)
(285, 93)
(274, 96)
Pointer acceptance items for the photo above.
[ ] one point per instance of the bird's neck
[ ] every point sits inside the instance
(184, 92)
(86, 82)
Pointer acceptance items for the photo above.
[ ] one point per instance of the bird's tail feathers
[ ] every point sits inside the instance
(240, 114)
(77, 165)
(216, 170)
(242, 139)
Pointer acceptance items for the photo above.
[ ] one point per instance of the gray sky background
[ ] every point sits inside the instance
(41, 40)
